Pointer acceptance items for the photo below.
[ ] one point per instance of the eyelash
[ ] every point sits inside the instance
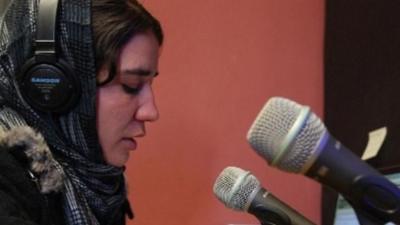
(132, 90)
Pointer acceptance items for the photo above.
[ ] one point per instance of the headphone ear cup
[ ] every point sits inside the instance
(49, 86)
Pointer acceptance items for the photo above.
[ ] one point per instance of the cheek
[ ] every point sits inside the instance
(103, 106)
(107, 112)
(114, 108)
(108, 125)
(108, 100)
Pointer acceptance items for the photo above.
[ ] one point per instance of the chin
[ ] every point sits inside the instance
(117, 164)
(117, 161)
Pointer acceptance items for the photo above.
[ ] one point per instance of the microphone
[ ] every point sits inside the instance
(292, 138)
(241, 191)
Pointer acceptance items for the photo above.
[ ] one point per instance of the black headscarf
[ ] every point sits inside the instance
(94, 192)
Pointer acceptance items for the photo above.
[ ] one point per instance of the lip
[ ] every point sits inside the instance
(129, 143)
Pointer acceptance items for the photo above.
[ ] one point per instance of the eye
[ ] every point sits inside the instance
(132, 90)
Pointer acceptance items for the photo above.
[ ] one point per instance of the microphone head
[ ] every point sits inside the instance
(236, 188)
(286, 134)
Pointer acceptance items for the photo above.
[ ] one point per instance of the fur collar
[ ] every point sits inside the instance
(40, 162)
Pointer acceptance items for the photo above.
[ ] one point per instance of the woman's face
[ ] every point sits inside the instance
(127, 102)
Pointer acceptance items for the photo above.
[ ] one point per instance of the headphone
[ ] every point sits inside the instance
(47, 82)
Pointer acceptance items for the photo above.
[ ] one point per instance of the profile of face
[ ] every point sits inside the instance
(126, 103)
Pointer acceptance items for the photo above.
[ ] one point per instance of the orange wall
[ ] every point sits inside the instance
(222, 60)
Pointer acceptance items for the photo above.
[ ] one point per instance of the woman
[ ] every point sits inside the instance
(66, 166)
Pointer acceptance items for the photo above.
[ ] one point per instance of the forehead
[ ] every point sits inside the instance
(142, 50)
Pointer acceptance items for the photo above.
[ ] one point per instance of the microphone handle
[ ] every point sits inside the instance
(338, 167)
(362, 185)
(269, 210)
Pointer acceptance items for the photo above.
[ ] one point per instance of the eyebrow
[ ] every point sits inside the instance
(140, 72)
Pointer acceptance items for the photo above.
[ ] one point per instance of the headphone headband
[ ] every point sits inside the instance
(46, 27)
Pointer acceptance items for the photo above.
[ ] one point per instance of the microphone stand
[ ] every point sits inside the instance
(375, 200)
(363, 219)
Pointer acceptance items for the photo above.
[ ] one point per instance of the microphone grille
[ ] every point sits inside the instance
(272, 127)
(235, 187)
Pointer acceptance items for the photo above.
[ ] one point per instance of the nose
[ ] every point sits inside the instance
(147, 110)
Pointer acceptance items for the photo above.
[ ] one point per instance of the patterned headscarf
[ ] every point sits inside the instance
(94, 192)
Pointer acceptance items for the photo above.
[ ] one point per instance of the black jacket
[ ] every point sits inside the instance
(30, 185)
(21, 202)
